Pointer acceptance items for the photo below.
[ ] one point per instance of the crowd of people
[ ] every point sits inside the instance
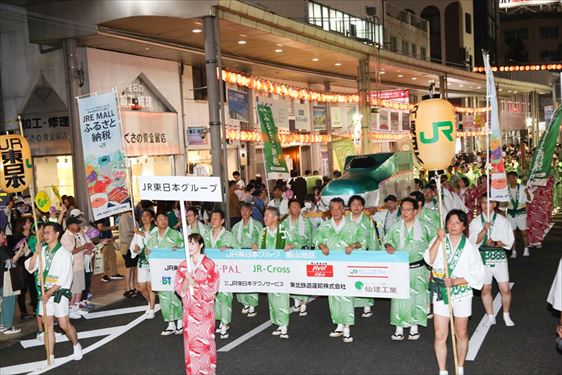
(478, 234)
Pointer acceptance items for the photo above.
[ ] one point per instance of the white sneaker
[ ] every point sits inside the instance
(74, 314)
(12, 331)
(526, 252)
(77, 352)
(513, 254)
(52, 362)
(252, 312)
(149, 314)
(490, 322)
(40, 336)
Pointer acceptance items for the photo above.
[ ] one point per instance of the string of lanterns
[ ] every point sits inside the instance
(519, 68)
(281, 89)
(257, 136)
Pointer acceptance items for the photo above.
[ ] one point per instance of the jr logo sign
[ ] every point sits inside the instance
(446, 127)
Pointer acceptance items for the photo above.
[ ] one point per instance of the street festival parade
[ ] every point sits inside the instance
(281, 187)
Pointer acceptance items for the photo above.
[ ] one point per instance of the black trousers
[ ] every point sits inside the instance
(29, 286)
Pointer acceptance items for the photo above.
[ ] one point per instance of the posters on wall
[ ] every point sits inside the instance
(103, 155)
(336, 116)
(319, 117)
(301, 112)
(238, 108)
(197, 136)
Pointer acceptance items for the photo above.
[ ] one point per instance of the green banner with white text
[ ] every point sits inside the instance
(275, 165)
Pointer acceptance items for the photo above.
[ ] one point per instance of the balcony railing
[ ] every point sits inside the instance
(406, 17)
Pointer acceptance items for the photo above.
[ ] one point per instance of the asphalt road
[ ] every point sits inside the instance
(527, 348)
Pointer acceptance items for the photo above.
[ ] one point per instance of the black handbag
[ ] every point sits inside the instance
(16, 275)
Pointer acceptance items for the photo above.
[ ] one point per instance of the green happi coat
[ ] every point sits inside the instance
(247, 235)
(300, 236)
(413, 310)
(430, 219)
(338, 238)
(279, 307)
(170, 304)
(200, 228)
(367, 230)
(223, 301)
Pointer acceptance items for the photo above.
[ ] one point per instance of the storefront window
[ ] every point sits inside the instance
(54, 171)
(150, 166)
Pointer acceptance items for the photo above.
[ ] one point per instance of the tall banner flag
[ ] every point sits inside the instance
(275, 164)
(542, 157)
(16, 168)
(498, 190)
(103, 155)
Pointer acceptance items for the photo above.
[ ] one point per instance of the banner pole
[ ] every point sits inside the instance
(185, 240)
(39, 259)
(446, 267)
(128, 171)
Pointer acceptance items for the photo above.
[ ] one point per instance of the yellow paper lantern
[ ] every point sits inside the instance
(433, 133)
(15, 164)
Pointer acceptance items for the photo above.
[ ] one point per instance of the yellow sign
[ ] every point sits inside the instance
(16, 171)
(56, 192)
(432, 123)
(42, 201)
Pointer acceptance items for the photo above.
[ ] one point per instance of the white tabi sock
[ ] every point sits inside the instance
(507, 320)
(443, 372)
(526, 252)
(171, 326)
(179, 324)
(339, 327)
(367, 309)
(399, 331)
(461, 370)
(413, 330)
(346, 331)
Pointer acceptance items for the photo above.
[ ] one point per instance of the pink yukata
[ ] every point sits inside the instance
(539, 212)
(198, 316)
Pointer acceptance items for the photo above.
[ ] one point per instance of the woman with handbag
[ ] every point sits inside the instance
(7, 293)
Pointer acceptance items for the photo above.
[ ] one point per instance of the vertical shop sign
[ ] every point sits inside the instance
(275, 164)
(15, 164)
(103, 155)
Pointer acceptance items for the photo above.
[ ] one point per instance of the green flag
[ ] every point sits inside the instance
(542, 157)
(275, 165)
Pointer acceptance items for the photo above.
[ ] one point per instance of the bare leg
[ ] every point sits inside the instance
(487, 299)
(461, 332)
(151, 295)
(441, 328)
(506, 296)
(127, 279)
(51, 331)
(69, 330)
(133, 277)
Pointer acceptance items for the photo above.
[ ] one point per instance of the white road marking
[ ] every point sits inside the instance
(248, 335)
(39, 367)
(104, 314)
(548, 229)
(81, 335)
(480, 334)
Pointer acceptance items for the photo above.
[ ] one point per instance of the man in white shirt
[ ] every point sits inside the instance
(77, 244)
(57, 266)
(279, 201)
(386, 218)
(517, 210)
(493, 235)
(239, 182)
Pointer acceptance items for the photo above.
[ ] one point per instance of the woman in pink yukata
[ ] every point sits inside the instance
(198, 308)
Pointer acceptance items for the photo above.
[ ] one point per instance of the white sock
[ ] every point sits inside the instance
(367, 309)
(346, 331)
(251, 309)
(507, 320)
(443, 372)
(339, 327)
(413, 330)
(179, 324)
(171, 326)
(491, 317)
(283, 329)
(399, 331)
(461, 370)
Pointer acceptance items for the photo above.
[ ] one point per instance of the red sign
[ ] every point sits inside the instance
(319, 270)
(390, 94)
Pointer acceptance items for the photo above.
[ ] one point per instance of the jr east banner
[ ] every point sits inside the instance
(103, 155)
(308, 272)
(498, 191)
(275, 164)
(542, 157)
